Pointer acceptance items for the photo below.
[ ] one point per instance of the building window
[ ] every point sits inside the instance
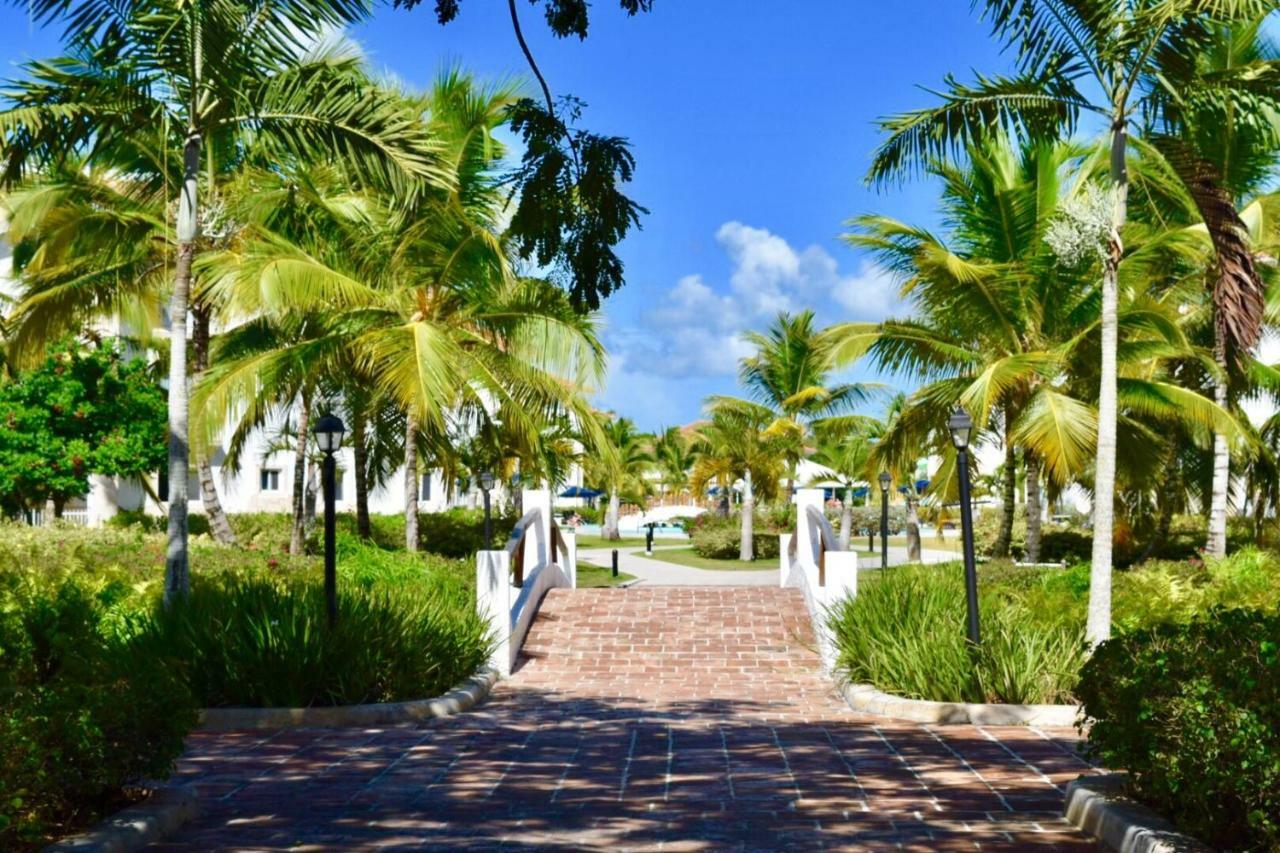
(424, 492)
(337, 485)
(269, 479)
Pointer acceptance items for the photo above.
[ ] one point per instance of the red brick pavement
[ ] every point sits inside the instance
(661, 718)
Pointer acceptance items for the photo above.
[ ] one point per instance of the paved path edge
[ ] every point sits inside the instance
(1099, 806)
(866, 699)
(133, 828)
(465, 696)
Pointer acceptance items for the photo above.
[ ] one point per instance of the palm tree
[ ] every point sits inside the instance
(742, 441)
(790, 374)
(846, 454)
(1066, 53)
(674, 456)
(1225, 156)
(1002, 327)
(622, 469)
(216, 82)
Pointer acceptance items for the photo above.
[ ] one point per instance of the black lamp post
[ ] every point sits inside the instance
(885, 480)
(961, 427)
(486, 483)
(328, 432)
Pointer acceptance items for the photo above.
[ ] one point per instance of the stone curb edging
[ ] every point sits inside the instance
(159, 816)
(461, 698)
(868, 700)
(1098, 805)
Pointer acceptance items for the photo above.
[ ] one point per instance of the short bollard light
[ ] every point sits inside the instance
(960, 425)
(486, 485)
(885, 480)
(328, 432)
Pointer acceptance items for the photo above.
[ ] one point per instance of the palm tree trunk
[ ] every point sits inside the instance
(611, 517)
(747, 547)
(1008, 495)
(846, 519)
(1217, 543)
(298, 541)
(1032, 554)
(177, 567)
(913, 528)
(1098, 627)
(360, 459)
(411, 484)
(219, 524)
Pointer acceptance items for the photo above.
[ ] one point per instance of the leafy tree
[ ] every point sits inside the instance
(1097, 57)
(83, 410)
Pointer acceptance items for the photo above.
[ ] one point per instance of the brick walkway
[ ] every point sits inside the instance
(652, 718)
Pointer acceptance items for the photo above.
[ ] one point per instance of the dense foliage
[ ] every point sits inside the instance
(243, 640)
(904, 632)
(81, 411)
(719, 537)
(1192, 712)
(87, 711)
(100, 685)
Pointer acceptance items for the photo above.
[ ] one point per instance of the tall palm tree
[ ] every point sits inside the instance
(1099, 58)
(790, 374)
(1226, 154)
(674, 456)
(213, 81)
(622, 468)
(846, 454)
(742, 442)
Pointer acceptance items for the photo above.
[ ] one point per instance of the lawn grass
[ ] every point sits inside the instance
(591, 576)
(691, 558)
(587, 541)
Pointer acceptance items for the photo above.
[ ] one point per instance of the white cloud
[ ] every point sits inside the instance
(868, 294)
(694, 328)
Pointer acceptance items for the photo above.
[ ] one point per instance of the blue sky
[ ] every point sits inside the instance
(752, 123)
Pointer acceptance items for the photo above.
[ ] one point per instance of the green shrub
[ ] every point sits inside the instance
(460, 532)
(261, 642)
(452, 533)
(905, 633)
(718, 538)
(87, 711)
(1192, 712)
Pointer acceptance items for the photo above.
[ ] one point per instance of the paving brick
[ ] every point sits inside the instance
(671, 718)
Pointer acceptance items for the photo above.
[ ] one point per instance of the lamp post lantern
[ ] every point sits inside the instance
(885, 480)
(486, 483)
(328, 432)
(960, 426)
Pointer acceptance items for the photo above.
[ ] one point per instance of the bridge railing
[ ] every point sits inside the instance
(511, 582)
(811, 561)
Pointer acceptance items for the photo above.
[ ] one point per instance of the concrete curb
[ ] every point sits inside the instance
(461, 698)
(1098, 805)
(133, 828)
(868, 700)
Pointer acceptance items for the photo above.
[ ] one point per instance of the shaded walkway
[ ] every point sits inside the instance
(651, 718)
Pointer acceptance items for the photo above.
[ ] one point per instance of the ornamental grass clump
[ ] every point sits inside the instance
(1192, 712)
(263, 642)
(905, 634)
